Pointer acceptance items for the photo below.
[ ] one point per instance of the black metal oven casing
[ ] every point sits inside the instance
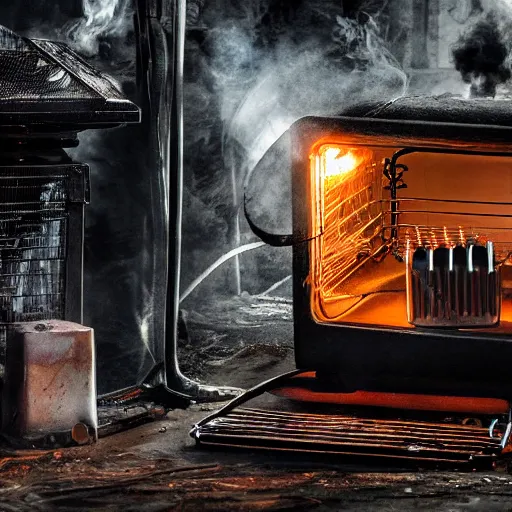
(356, 357)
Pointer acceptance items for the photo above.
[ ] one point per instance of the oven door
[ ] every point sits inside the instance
(374, 202)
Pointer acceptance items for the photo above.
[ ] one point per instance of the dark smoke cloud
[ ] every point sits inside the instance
(480, 56)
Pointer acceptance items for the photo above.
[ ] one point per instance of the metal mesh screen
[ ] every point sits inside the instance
(46, 82)
(33, 233)
(28, 75)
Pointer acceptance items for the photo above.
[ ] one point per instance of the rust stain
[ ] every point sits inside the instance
(53, 380)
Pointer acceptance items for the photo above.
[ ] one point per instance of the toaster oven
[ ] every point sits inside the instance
(402, 245)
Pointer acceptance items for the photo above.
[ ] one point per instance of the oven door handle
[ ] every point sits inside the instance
(274, 239)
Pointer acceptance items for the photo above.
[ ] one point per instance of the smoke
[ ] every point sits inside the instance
(100, 30)
(102, 18)
(256, 68)
(480, 56)
(303, 74)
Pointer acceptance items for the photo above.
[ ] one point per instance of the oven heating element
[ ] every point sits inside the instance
(453, 285)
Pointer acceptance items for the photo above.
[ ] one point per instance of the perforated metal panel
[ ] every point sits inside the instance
(46, 82)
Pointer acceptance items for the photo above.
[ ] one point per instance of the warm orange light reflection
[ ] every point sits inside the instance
(347, 184)
(337, 163)
(301, 388)
(453, 404)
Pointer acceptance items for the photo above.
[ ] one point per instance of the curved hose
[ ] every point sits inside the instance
(196, 282)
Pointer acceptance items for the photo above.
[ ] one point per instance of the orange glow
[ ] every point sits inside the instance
(336, 164)
(453, 404)
(358, 257)
(344, 181)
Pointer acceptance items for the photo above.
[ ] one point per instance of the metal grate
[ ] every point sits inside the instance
(350, 435)
(28, 74)
(33, 234)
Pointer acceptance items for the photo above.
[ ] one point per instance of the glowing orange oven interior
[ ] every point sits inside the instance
(410, 238)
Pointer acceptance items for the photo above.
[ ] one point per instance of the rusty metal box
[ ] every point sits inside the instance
(49, 397)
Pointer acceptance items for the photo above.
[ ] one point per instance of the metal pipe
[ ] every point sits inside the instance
(161, 33)
(174, 377)
(236, 224)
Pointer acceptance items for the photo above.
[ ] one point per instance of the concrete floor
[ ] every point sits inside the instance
(157, 467)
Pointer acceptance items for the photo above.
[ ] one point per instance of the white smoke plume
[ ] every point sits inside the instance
(101, 18)
(301, 78)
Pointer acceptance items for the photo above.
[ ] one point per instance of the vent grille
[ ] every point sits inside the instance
(450, 443)
(33, 232)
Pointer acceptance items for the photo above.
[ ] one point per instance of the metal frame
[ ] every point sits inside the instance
(396, 179)
(74, 288)
(77, 189)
